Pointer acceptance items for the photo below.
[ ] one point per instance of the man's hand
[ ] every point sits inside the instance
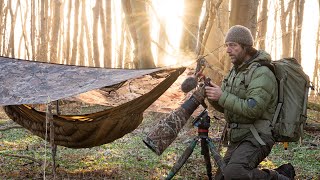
(213, 91)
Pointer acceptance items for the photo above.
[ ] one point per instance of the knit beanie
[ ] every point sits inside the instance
(239, 34)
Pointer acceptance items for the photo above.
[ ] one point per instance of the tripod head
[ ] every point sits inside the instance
(202, 121)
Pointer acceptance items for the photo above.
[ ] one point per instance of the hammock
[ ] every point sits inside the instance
(82, 131)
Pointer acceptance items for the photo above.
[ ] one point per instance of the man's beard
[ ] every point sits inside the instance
(240, 58)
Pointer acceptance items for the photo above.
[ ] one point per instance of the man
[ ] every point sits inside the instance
(248, 106)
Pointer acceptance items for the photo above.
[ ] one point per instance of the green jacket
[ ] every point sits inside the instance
(249, 101)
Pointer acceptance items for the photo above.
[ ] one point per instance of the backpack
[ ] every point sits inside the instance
(293, 87)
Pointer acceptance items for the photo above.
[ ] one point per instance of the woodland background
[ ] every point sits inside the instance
(148, 34)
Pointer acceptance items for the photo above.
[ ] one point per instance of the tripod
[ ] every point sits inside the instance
(202, 121)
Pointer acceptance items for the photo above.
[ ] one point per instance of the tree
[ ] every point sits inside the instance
(286, 29)
(10, 50)
(74, 52)
(138, 22)
(42, 53)
(244, 12)
(108, 35)
(262, 25)
(95, 34)
(218, 24)
(192, 11)
(206, 24)
(316, 70)
(55, 32)
(298, 26)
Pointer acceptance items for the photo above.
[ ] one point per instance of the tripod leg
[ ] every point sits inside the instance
(216, 156)
(183, 158)
(206, 155)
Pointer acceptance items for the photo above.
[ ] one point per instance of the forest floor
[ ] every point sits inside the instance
(26, 156)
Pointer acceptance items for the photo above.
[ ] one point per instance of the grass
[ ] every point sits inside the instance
(129, 158)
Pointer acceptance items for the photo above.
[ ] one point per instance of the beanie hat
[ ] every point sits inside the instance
(239, 34)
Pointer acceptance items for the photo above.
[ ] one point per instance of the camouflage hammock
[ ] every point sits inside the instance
(28, 82)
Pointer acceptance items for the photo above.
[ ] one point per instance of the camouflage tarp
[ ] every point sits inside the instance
(30, 82)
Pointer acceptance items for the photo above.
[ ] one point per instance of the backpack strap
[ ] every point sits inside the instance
(248, 76)
(304, 110)
(280, 100)
(252, 129)
(249, 71)
(280, 84)
(253, 66)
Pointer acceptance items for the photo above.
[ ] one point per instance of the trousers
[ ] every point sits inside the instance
(242, 160)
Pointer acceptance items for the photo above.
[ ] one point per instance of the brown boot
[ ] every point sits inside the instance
(286, 170)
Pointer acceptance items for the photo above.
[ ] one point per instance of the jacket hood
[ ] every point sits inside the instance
(260, 56)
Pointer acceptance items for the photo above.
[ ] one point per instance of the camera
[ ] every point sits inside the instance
(166, 131)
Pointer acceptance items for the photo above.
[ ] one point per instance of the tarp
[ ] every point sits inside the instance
(30, 82)
(89, 130)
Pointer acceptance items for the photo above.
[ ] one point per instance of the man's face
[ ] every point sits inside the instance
(236, 53)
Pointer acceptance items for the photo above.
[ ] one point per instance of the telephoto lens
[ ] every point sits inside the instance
(166, 131)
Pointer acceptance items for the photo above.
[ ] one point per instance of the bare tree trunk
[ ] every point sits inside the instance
(244, 12)
(316, 71)
(298, 28)
(274, 32)
(81, 57)
(203, 27)
(120, 59)
(61, 50)
(11, 45)
(138, 22)
(216, 36)
(73, 60)
(129, 19)
(24, 34)
(88, 38)
(290, 31)
(286, 31)
(4, 30)
(262, 25)
(128, 50)
(207, 25)
(107, 31)
(67, 40)
(162, 43)
(104, 36)
(129, 30)
(55, 32)
(33, 30)
(95, 35)
(192, 11)
(2, 25)
(43, 49)
(222, 29)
